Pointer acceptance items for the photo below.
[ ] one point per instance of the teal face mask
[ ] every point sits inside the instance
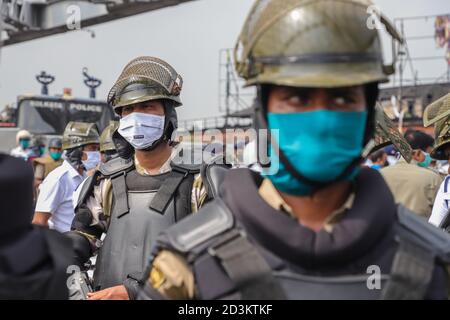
(24, 143)
(55, 155)
(319, 144)
(425, 163)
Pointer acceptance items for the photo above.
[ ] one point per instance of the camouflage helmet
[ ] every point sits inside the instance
(386, 133)
(304, 43)
(106, 141)
(145, 79)
(78, 134)
(438, 113)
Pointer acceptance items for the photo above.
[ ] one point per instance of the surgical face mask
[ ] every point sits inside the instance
(141, 130)
(24, 143)
(55, 155)
(320, 145)
(93, 159)
(425, 163)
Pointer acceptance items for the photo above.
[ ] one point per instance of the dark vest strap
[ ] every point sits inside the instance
(411, 273)
(246, 267)
(168, 189)
(119, 187)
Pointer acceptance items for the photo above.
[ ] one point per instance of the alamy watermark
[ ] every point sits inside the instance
(374, 21)
(236, 147)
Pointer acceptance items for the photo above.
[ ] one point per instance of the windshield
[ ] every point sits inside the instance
(51, 116)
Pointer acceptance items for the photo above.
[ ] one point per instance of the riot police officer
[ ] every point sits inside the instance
(438, 114)
(134, 197)
(54, 207)
(33, 260)
(319, 227)
(108, 150)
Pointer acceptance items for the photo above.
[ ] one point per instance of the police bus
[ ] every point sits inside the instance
(47, 116)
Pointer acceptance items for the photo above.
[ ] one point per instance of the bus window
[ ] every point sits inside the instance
(99, 114)
(42, 117)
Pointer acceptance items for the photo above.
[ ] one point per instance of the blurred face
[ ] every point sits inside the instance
(288, 99)
(24, 142)
(418, 155)
(155, 107)
(55, 150)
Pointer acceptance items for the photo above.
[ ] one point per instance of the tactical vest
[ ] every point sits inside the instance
(48, 163)
(38, 265)
(229, 264)
(142, 207)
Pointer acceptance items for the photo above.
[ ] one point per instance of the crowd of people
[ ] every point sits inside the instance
(310, 224)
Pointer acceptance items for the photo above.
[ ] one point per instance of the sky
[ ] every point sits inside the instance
(188, 36)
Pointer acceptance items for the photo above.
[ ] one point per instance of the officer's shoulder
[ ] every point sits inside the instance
(419, 231)
(42, 160)
(57, 175)
(198, 230)
(116, 166)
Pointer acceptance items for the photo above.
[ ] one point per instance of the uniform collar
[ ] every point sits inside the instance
(270, 194)
(166, 167)
(366, 223)
(73, 173)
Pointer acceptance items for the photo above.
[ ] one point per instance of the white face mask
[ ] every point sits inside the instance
(141, 130)
(93, 159)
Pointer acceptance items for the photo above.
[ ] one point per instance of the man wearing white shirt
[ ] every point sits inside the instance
(54, 207)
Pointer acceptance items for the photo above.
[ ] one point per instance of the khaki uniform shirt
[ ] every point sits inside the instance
(413, 186)
(172, 277)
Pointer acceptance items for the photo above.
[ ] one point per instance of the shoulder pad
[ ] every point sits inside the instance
(116, 165)
(418, 230)
(42, 160)
(86, 189)
(195, 230)
(189, 168)
(213, 175)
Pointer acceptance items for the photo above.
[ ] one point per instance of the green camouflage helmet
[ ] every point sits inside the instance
(386, 133)
(438, 113)
(145, 79)
(78, 134)
(312, 43)
(106, 142)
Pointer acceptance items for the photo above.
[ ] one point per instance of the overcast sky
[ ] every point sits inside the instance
(188, 36)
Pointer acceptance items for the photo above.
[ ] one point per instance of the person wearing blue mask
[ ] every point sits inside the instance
(414, 184)
(54, 206)
(46, 164)
(23, 140)
(315, 224)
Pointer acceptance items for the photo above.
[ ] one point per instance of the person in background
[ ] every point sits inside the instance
(54, 203)
(413, 184)
(44, 165)
(437, 114)
(378, 159)
(23, 141)
(392, 154)
(108, 150)
(37, 148)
